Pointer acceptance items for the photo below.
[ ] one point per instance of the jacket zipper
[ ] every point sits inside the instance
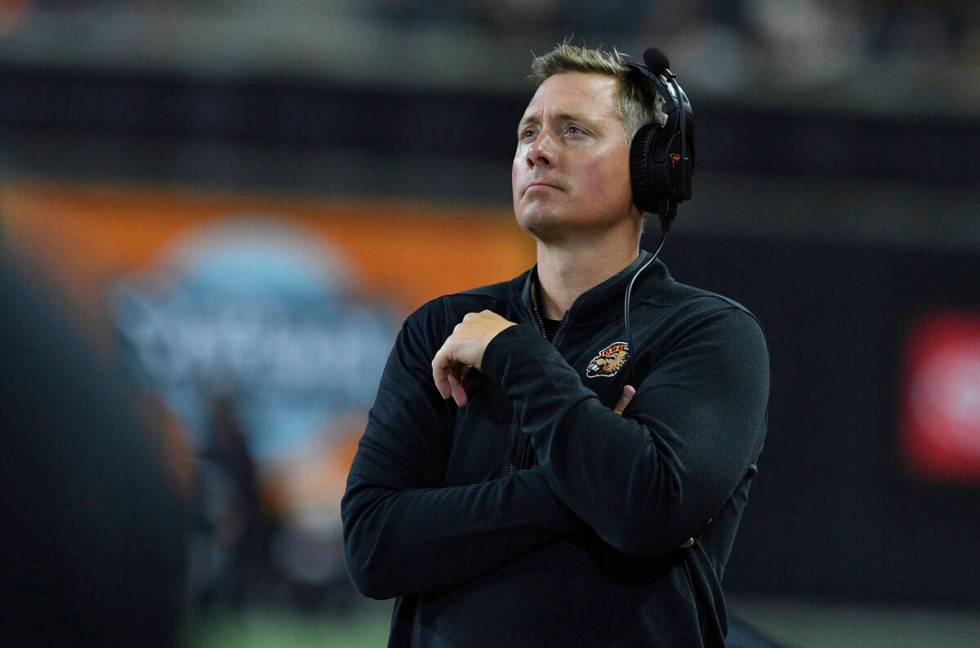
(520, 445)
(540, 322)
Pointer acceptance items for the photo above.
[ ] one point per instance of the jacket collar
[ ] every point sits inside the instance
(604, 301)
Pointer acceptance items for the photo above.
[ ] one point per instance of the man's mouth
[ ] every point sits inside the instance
(541, 185)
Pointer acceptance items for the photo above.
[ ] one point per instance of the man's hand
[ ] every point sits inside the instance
(463, 350)
(628, 393)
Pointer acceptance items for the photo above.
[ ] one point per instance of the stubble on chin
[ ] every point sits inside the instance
(540, 225)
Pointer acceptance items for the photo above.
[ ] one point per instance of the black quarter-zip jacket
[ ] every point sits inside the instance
(535, 515)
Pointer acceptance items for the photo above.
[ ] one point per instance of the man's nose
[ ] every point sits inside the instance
(541, 152)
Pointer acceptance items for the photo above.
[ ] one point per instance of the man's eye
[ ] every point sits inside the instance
(574, 130)
(526, 135)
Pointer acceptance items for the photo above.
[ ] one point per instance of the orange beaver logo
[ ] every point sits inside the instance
(609, 361)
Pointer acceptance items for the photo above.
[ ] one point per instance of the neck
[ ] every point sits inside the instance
(566, 270)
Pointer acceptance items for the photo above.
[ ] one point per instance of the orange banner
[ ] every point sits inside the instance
(88, 235)
(262, 319)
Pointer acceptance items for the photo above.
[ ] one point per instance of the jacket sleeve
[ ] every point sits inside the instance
(649, 479)
(405, 531)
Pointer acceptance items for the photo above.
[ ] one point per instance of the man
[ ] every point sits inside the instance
(511, 489)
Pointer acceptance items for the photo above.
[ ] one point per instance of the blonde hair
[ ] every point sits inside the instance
(638, 104)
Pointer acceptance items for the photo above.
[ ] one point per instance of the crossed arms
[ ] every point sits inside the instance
(644, 483)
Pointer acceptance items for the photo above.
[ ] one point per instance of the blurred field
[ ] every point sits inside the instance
(797, 625)
(805, 625)
(366, 627)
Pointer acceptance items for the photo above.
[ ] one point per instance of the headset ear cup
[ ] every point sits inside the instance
(641, 154)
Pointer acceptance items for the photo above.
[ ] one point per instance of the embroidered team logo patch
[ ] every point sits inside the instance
(609, 361)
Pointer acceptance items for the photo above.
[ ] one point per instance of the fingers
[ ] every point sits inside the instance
(628, 393)
(456, 387)
(448, 377)
(463, 350)
(440, 373)
(688, 543)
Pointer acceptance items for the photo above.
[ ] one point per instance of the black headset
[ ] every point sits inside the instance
(662, 157)
(661, 166)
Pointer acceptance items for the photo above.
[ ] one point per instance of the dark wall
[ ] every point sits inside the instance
(835, 512)
(274, 113)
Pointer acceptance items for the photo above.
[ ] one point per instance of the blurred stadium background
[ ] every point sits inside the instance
(238, 202)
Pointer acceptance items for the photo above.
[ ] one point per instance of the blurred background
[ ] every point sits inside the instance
(235, 204)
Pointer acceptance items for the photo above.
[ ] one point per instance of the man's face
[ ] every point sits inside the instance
(571, 168)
